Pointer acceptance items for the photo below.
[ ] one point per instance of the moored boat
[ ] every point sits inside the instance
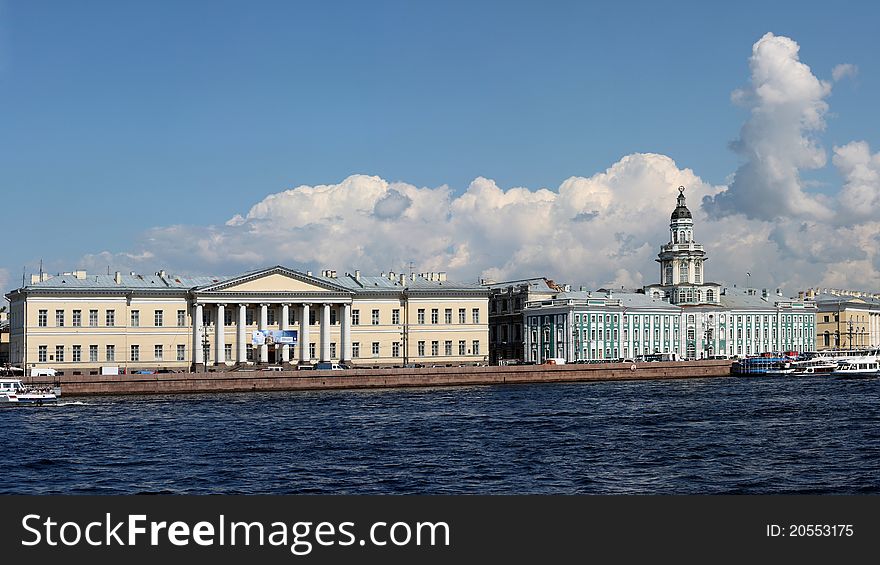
(867, 366)
(13, 392)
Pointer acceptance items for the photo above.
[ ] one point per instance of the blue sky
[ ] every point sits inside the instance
(121, 117)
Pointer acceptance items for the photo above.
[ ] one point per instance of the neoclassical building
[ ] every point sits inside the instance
(78, 323)
(681, 316)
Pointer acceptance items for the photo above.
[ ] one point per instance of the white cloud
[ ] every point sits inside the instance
(860, 196)
(788, 106)
(598, 230)
(844, 70)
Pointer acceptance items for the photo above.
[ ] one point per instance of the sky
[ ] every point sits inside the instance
(487, 139)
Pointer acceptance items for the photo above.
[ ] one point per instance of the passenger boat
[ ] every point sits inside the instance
(13, 392)
(763, 365)
(867, 366)
(804, 368)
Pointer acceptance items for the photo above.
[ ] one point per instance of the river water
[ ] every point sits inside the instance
(705, 436)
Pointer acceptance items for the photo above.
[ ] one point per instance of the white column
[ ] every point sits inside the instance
(346, 333)
(304, 356)
(198, 354)
(220, 336)
(325, 333)
(285, 347)
(264, 323)
(242, 333)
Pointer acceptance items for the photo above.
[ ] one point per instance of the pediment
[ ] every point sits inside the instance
(273, 281)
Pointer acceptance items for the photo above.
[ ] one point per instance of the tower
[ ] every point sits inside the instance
(681, 262)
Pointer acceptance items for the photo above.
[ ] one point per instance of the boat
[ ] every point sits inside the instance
(807, 367)
(867, 366)
(14, 392)
(761, 365)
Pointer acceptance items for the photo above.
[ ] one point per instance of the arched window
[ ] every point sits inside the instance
(690, 295)
(656, 295)
(690, 318)
(681, 296)
(668, 273)
(699, 296)
(681, 237)
(710, 296)
(674, 237)
(683, 272)
(698, 272)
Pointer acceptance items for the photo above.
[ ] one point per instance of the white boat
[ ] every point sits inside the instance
(859, 367)
(13, 392)
(805, 368)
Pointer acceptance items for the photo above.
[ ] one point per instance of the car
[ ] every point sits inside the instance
(329, 366)
(273, 368)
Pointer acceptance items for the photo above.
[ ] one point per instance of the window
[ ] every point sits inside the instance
(110, 353)
(291, 316)
(421, 316)
(375, 349)
(333, 320)
(110, 318)
(355, 350)
(475, 316)
(42, 353)
(59, 353)
(311, 351)
(447, 347)
(435, 315)
(59, 318)
(135, 318)
(710, 296)
(42, 317)
(158, 352)
(249, 316)
(93, 354)
(448, 316)
(227, 317)
(181, 352)
(395, 349)
(435, 348)
(375, 318)
(697, 273)
(77, 318)
(476, 347)
(270, 316)
(395, 316)
(181, 318)
(77, 353)
(461, 316)
(355, 317)
(227, 351)
(333, 350)
(135, 352)
(683, 272)
(462, 347)
(421, 348)
(93, 318)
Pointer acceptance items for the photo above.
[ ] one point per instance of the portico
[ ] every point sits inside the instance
(276, 298)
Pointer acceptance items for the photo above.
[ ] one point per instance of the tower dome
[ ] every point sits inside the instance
(681, 210)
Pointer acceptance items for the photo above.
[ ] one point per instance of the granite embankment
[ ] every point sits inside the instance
(239, 381)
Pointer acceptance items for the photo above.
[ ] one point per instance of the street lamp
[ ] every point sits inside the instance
(850, 324)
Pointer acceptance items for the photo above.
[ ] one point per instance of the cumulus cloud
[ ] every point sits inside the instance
(787, 104)
(599, 230)
(844, 70)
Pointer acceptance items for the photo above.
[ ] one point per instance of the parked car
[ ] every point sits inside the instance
(329, 366)
(273, 368)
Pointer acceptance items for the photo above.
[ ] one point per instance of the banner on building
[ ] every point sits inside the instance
(271, 337)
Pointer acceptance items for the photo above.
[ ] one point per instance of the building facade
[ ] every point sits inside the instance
(682, 316)
(79, 323)
(506, 303)
(845, 320)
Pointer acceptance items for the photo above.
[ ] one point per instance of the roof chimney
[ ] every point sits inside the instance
(402, 279)
(357, 275)
(118, 277)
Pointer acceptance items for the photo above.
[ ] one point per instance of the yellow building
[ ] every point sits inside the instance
(846, 321)
(77, 323)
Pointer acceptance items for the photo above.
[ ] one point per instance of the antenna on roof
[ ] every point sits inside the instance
(41, 269)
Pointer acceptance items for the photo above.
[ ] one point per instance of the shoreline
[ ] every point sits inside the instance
(242, 381)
